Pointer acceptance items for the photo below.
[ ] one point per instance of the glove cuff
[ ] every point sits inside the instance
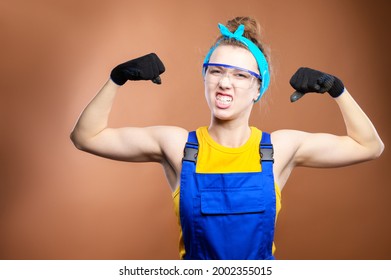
(116, 78)
(337, 88)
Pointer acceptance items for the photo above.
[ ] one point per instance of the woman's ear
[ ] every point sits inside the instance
(256, 97)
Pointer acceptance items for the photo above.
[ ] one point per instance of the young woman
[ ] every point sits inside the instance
(226, 178)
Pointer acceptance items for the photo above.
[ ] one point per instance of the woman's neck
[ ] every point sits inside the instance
(229, 134)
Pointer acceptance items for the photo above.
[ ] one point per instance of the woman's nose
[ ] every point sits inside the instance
(225, 81)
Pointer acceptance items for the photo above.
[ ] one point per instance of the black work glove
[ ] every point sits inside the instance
(309, 80)
(147, 67)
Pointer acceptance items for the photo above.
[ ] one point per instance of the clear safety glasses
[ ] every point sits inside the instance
(238, 77)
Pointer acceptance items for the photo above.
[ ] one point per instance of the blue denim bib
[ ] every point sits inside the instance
(230, 215)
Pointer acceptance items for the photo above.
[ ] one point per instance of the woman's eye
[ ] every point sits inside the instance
(215, 71)
(242, 75)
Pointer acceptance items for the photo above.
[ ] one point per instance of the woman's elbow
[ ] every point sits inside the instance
(380, 149)
(77, 140)
(377, 150)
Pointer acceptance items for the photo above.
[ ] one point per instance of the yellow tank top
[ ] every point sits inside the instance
(215, 158)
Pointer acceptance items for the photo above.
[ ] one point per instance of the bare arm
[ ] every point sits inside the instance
(361, 142)
(135, 144)
(94, 118)
(298, 148)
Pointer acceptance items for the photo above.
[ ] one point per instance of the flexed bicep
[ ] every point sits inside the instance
(327, 150)
(136, 144)
(127, 144)
(361, 142)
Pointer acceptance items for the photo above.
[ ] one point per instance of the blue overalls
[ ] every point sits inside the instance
(227, 216)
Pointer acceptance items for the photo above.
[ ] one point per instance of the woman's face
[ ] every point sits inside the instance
(226, 96)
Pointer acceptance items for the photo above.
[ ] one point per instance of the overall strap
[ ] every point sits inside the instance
(190, 152)
(266, 152)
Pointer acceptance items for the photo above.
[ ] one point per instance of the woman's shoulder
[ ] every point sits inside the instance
(286, 135)
(170, 135)
(286, 142)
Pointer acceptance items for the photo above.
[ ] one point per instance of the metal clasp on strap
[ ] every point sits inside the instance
(266, 151)
(190, 152)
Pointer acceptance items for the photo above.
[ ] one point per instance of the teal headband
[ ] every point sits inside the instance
(259, 56)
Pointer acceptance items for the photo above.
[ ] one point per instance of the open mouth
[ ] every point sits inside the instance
(223, 100)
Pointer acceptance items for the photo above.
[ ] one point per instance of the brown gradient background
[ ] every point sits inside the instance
(59, 203)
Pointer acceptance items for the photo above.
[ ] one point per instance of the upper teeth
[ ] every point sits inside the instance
(224, 98)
